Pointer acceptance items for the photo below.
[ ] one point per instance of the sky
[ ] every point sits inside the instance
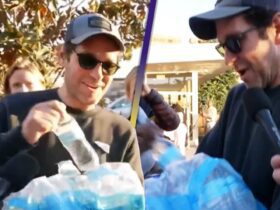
(171, 17)
(170, 21)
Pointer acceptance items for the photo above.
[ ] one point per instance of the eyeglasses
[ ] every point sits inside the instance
(87, 61)
(233, 43)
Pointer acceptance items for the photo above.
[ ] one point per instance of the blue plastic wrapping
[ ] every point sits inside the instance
(202, 183)
(111, 186)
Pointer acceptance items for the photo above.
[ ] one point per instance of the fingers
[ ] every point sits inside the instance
(42, 118)
(145, 89)
(275, 161)
(276, 175)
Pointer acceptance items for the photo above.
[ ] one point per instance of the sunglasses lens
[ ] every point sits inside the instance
(221, 50)
(110, 68)
(233, 45)
(87, 61)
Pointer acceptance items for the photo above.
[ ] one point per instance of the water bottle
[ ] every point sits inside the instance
(73, 139)
(202, 183)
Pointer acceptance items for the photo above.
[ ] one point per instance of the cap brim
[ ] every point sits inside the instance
(80, 39)
(203, 25)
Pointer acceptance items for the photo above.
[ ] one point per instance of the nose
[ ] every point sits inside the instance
(96, 72)
(23, 88)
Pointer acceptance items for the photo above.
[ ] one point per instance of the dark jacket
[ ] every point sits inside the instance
(245, 144)
(155, 107)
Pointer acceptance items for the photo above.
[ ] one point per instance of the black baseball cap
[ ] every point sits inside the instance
(203, 25)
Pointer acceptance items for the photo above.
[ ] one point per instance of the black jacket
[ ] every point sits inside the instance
(244, 143)
(155, 107)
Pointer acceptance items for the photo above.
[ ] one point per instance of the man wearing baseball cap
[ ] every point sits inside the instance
(90, 56)
(248, 35)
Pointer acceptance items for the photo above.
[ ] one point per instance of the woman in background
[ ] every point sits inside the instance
(23, 76)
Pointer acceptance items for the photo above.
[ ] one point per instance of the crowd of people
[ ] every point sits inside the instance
(248, 33)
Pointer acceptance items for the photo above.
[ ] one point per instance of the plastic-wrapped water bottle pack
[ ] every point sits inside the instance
(202, 183)
(110, 186)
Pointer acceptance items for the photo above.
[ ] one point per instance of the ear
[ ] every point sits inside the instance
(276, 24)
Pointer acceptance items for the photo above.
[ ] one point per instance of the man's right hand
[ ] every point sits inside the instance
(43, 118)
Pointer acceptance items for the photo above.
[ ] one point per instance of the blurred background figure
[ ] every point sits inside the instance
(211, 116)
(152, 103)
(147, 134)
(23, 76)
(179, 135)
(154, 117)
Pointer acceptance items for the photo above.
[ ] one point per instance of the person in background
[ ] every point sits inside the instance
(248, 35)
(91, 53)
(152, 103)
(23, 76)
(179, 135)
(211, 116)
(148, 133)
(154, 116)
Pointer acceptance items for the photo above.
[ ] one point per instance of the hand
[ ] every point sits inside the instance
(275, 163)
(43, 118)
(145, 89)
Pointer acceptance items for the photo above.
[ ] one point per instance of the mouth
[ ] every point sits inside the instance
(92, 86)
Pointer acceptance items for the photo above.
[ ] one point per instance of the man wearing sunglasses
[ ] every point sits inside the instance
(91, 53)
(248, 32)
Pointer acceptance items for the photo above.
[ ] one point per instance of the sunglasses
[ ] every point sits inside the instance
(233, 43)
(88, 62)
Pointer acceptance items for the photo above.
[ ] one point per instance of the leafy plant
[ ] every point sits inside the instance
(217, 89)
(35, 28)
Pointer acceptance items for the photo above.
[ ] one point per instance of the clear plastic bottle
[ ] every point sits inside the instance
(73, 139)
(202, 183)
